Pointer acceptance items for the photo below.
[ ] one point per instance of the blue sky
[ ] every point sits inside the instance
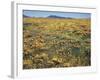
(33, 13)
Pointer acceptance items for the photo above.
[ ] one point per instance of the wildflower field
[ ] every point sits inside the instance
(56, 43)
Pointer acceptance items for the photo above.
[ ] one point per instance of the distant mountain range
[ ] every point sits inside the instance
(25, 16)
(50, 16)
(54, 16)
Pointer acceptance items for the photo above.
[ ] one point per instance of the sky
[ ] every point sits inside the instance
(33, 13)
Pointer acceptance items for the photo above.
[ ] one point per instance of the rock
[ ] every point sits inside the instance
(41, 56)
(57, 60)
(38, 61)
(50, 62)
(44, 55)
(37, 56)
(66, 64)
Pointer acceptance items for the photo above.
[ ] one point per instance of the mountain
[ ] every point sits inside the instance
(25, 16)
(54, 16)
(50, 16)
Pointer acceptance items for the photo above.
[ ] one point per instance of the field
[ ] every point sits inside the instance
(56, 43)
